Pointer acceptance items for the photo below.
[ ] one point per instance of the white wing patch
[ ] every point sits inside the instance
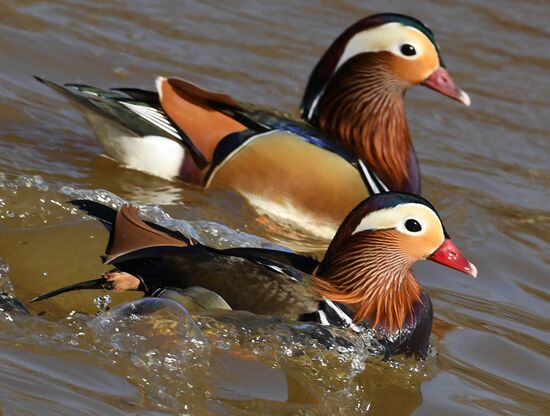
(153, 116)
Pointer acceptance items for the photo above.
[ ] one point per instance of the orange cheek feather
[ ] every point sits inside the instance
(414, 71)
(419, 247)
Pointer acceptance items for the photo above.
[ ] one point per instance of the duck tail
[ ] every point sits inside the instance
(101, 283)
(85, 97)
(126, 110)
(103, 213)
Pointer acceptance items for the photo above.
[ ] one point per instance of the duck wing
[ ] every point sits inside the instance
(285, 262)
(137, 112)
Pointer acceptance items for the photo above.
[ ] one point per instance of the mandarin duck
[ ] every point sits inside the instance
(312, 168)
(363, 282)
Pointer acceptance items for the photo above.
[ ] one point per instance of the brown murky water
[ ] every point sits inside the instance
(486, 169)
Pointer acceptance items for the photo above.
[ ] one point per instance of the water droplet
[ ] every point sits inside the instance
(102, 302)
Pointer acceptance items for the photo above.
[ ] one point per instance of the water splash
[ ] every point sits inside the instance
(52, 207)
(279, 340)
(6, 286)
(102, 302)
(47, 209)
(207, 232)
(163, 343)
(23, 181)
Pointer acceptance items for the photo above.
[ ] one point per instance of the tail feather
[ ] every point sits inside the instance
(128, 235)
(128, 109)
(89, 97)
(150, 97)
(103, 213)
(100, 283)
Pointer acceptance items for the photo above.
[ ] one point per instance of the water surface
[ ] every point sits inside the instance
(484, 167)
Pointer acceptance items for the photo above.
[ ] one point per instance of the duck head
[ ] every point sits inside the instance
(368, 263)
(355, 93)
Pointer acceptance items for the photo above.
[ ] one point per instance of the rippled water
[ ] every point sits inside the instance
(485, 168)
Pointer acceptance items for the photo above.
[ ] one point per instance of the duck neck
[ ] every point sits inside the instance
(379, 288)
(363, 106)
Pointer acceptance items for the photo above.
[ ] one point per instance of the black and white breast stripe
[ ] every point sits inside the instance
(331, 314)
(154, 116)
(373, 182)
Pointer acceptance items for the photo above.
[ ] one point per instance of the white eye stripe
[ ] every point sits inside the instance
(403, 228)
(388, 37)
(396, 49)
(396, 217)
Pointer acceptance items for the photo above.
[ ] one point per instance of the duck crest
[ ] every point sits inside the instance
(379, 287)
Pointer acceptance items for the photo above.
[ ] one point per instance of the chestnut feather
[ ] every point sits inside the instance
(379, 287)
(363, 106)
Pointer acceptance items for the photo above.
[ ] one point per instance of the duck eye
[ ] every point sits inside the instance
(408, 50)
(413, 226)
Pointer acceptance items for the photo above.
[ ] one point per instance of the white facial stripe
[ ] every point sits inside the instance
(390, 218)
(388, 37)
